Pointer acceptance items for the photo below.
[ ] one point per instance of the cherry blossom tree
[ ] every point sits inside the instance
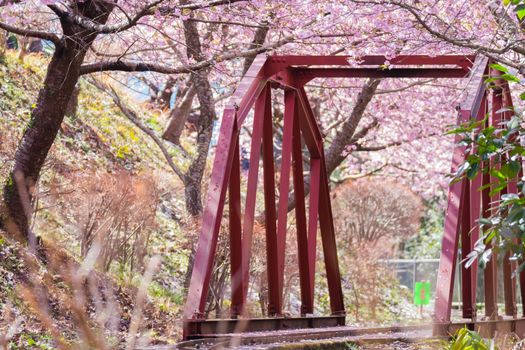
(73, 27)
(202, 49)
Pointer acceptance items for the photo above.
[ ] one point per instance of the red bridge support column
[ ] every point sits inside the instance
(468, 201)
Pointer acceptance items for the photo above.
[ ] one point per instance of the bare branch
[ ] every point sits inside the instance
(361, 148)
(403, 88)
(32, 33)
(129, 66)
(178, 116)
(148, 10)
(208, 4)
(358, 176)
(132, 117)
(496, 54)
(258, 41)
(233, 23)
(364, 131)
(66, 14)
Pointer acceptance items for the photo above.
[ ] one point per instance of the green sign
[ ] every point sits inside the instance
(422, 293)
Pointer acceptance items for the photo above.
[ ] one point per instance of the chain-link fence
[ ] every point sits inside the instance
(410, 271)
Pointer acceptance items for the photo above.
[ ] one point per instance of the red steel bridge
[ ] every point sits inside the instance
(313, 213)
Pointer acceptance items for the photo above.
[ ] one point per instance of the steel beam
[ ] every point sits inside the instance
(236, 251)
(468, 299)
(509, 282)
(490, 272)
(513, 188)
(262, 103)
(274, 297)
(207, 242)
(282, 62)
(313, 215)
(219, 328)
(447, 264)
(304, 75)
(284, 183)
(449, 245)
(331, 262)
(307, 306)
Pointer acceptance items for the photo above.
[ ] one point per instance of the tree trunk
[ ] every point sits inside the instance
(179, 116)
(258, 40)
(345, 136)
(335, 154)
(3, 45)
(165, 94)
(204, 93)
(199, 81)
(61, 77)
(193, 177)
(22, 45)
(72, 105)
(193, 193)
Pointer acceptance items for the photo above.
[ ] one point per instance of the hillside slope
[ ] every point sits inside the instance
(101, 166)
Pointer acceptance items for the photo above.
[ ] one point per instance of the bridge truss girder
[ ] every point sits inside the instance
(291, 73)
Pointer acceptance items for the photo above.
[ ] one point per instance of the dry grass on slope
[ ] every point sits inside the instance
(49, 300)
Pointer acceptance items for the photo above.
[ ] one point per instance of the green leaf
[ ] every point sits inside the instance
(510, 77)
(521, 14)
(514, 123)
(515, 214)
(499, 67)
(462, 169)
(497, 174)
(510, 169)
(484, 187)
(484, 221)
(520, 11)
(485, 257)
(498, 189)
(509, 196)
(519, 269)
(472, 171)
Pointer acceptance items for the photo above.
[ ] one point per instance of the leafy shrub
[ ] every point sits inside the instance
(465, 339)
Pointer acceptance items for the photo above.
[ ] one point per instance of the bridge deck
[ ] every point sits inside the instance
(305, 337)
(275, 339)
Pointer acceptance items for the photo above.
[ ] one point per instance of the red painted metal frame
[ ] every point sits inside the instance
(449, 247)
(291, 73)
(467, 204)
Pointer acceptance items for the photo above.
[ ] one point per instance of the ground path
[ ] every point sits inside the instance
(396, 337)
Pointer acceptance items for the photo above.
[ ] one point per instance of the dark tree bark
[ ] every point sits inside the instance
(346, 136)
(199, 80)
(35, 46)
(164, 97)
(61, 77)
(258, 40)
(179, 115)
(3, 44)
(335, 154)
(204, 93)
(72, 105)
